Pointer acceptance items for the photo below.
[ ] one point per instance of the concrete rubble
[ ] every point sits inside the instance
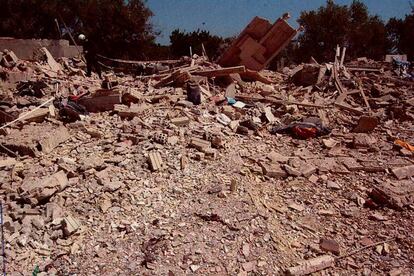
(263, 174)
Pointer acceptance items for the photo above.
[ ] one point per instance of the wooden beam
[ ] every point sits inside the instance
(221, 71)
(349, 108)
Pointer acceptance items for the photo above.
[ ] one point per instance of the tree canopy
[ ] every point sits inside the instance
(351, 26)
(401, 32)
(118, 26)
(181, 42)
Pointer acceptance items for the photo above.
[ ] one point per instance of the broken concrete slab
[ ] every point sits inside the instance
(307, 76)
(102, 100)
(132, 111)
(42, 189)
(403, 172)
(34, 139)
(330, 245)
(395, 195)
(8, 162)
(277, 157)
(37, 116)
(362, 140)
(273, 170)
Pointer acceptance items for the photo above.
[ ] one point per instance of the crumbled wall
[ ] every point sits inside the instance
(24, 48)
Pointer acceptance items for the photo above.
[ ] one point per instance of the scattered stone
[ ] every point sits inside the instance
(292, 171)
(70, 225)
(180, 121)
(296, 207)
(310, 266)
(276, 157)
(40, 190)
(403, 172)
(112, 186)
(273, 170)
(330, 246)
(332, 185)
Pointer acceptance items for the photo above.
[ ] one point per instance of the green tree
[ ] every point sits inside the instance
(351, 26)
(182, 41)
(401, 33)
(367, 35)
(323, 30)
(121, 28)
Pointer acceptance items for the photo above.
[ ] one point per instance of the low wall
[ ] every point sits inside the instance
(23, 48)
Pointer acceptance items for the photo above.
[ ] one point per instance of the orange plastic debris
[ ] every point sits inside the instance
(404, 144)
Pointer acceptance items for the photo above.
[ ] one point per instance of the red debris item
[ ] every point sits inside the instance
(77, 97)
(305, 132)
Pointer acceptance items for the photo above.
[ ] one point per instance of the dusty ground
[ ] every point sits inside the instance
(256, 204)
(155, 223)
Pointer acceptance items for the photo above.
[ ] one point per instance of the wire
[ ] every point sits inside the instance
(2, 240)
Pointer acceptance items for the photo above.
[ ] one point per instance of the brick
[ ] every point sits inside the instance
(200, 144)
(403, 172)
(70, 225)
(130, 112)
(273, 170)
(292, 171)
(155, 161)
(308, 170)
(181, 121)
(210, 153)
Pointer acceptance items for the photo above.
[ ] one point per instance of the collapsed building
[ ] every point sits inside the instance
(203, 168)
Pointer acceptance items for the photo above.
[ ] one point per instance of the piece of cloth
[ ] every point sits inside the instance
(302, 130)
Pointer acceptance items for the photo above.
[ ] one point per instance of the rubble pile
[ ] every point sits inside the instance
(194, 168)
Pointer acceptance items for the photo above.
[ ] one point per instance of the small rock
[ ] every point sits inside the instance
(366, 241)
(330, 246)
(246, 250)
(313, 178)
(379, 248)
(296, 207)
(194, 268)
(112, 186)
(249, 266)
(378, 217)
(333, 185)
(292, 171)
(70, 225)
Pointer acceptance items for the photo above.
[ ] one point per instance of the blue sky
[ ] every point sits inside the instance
(228, 17)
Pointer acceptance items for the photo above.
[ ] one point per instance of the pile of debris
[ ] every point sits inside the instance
(188, 166)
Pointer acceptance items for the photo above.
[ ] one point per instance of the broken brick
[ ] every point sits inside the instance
(155, 161)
